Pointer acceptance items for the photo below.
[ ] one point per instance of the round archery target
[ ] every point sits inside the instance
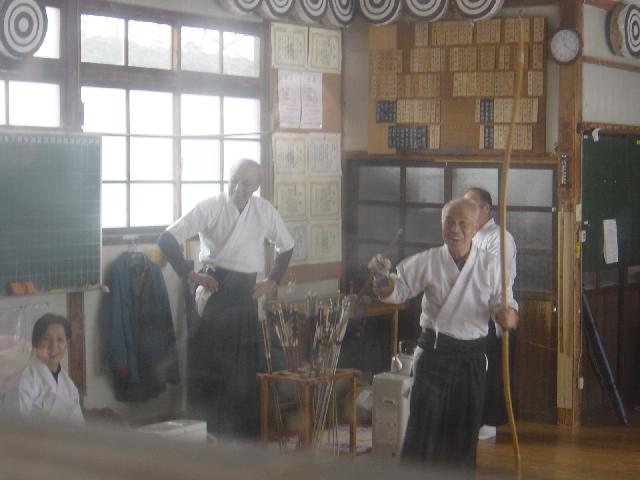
(380, 11)
(24, 26)
(241, 6)
(310, 10)
(276, 9)
(632, 30)
(615, 36)
(341, 12)
(427, 10)
(479, 9)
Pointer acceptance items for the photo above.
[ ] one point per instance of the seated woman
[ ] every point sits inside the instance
(43, 390)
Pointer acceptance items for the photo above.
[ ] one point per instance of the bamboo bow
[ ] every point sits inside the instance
(504, 182)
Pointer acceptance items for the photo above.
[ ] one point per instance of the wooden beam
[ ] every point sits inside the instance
(611, 64)
(75, 314)
(612, 128)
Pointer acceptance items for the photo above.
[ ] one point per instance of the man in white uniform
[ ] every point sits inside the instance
(488, 238)
(223, 347)
(462, 287)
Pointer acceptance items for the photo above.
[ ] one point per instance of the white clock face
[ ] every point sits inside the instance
(565, 45)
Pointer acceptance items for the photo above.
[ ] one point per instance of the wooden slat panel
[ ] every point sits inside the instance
(533, 380)
(75, 314)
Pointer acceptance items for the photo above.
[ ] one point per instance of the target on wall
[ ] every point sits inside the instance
(24, 26)
(623, 30)
(477, 10)
(341, 12)
(241, 6)
(427, 10)
(380, 11)
(632, 30)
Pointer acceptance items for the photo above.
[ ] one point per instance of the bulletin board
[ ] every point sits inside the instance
(306, 160)
(50, 211)
(610, 178)
(449, 87)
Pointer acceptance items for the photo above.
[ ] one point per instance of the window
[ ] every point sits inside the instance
(34, 104)
(410, 196)
(169, 140)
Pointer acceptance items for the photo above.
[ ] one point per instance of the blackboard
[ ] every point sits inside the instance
(611, 190)
(50, 210)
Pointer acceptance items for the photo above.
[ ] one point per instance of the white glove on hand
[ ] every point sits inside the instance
(382, 282)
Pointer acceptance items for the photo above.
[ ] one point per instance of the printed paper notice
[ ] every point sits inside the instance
(299, 232)
(325, 50)
(610, 229)
(289, 100)
(289, 154)
(311, 93)
(324, 154)
(288, 46)
(290, 198)
(325, 197)
(325, 242)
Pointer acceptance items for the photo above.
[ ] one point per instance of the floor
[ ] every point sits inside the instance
(603, 451)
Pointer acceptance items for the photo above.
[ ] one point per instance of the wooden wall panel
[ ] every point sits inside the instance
(534, 373)
(629, 357)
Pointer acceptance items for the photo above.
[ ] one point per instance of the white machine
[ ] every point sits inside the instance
(391, 409)
(180, 430)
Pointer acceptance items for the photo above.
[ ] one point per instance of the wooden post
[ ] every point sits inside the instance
(264, 410)
(354, 414)
(306, 416)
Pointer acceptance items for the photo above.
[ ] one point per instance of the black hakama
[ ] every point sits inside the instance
(446, 403)
(223, 386)
(495, 412)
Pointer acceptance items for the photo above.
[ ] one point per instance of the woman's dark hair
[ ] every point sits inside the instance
(44, 322)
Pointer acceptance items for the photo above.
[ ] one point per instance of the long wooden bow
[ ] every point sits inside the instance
(504, 182)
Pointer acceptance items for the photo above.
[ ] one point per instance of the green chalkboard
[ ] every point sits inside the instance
(611, 190)
(50, 210)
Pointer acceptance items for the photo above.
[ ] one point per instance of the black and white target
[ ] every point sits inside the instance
(427, 10)
(340, 12)
(477, 10)
(24, 26)
(632, 30)
(241, 6)
(276, 9)
(380, 11)
(310, 10)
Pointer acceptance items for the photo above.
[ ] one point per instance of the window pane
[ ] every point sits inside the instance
(193, 193)
(199, 115)
(379, 183)
(105, 110)
(151, 159)
(149, 45)
(241, 115)
(151, 204)
(235, 150)
(530, 187)
(425, 185)
(531, 229)
(200, 49)
(50, 48)
(240, 54)
(3, 118)
(102, 39)
(114, 205)
(534, 273)
(150, 112)
(424, 225)
(378, 223)
(114, 158)
(465, 178)
(200, 160)
(34, 104)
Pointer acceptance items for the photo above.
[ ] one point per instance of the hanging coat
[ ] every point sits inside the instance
(142, 345)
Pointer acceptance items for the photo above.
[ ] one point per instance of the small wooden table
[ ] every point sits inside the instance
(306, 381)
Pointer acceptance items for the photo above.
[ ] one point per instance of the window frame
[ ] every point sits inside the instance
(176, 82)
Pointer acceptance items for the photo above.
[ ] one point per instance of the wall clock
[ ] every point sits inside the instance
(565, 45)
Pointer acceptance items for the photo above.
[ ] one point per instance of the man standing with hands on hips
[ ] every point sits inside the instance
(462, 287)
(488, 238)
(233, 229)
